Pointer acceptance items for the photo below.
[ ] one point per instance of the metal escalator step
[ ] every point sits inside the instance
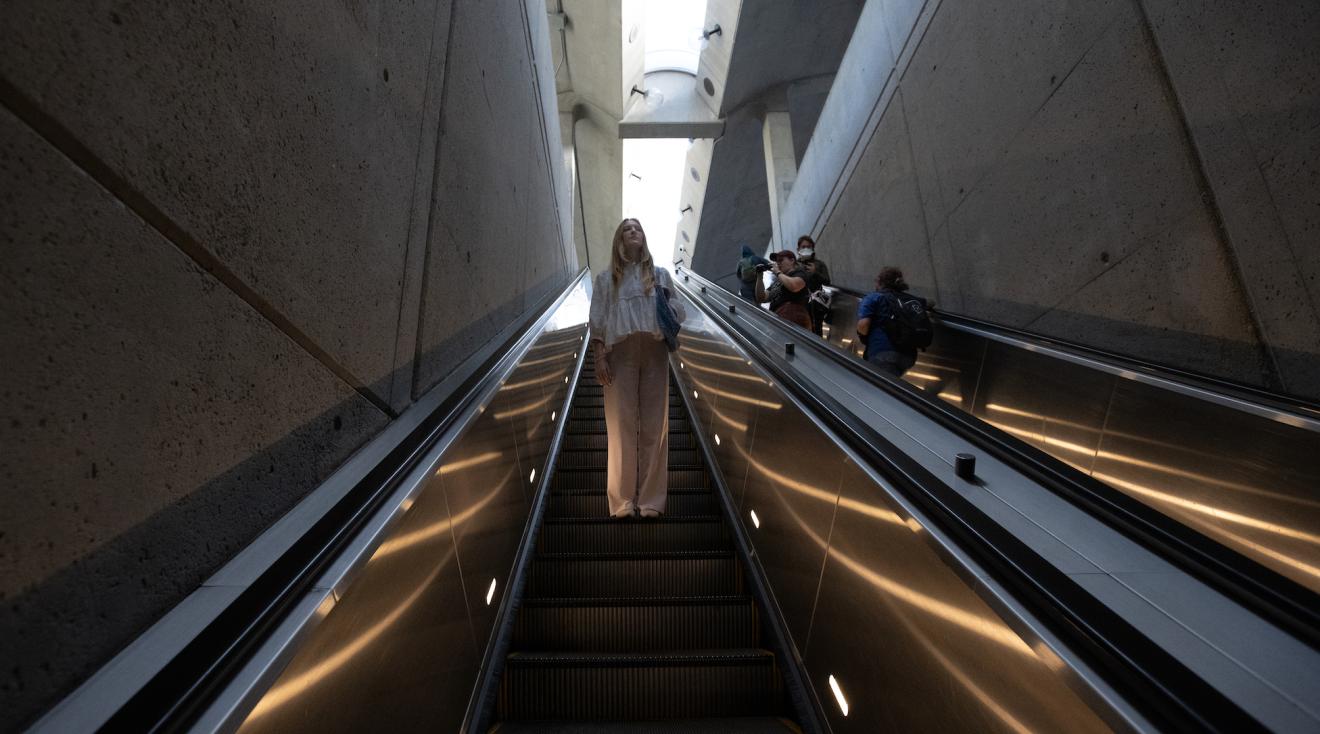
(743, 682)
(602, 575)
(607, 535)
(721, 725)
(636, 624)
(592, 458)
(594, 478)
(597, 412)
(597, 425)
(573, 441)
(700, 502)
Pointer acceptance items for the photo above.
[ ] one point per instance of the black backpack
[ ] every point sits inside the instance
(908, 326)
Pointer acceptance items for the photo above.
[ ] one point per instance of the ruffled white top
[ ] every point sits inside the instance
(614, 316)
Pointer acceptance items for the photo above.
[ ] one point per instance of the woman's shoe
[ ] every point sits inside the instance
(650, 513)
(627, 511)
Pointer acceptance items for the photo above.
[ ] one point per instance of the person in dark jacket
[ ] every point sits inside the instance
(818, 276)
(874, 312)
(749, 273)
(788, 293)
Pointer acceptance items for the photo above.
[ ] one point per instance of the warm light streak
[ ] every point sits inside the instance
(1125, 459)
(716, 355)
(838, 695)
(477, 460)
(951, 397)
(1210, 510)
(530, 383)
(921, 376)
(744, 399)
(291, 689)
(544, 360)
(530, 407)
(727, 373)
(403, 542)
(730, 422)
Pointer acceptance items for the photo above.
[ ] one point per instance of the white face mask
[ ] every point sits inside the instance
(806, 252)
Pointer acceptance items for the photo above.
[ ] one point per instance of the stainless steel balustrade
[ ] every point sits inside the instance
(402, 645)
(1242, 472)
(891, 637)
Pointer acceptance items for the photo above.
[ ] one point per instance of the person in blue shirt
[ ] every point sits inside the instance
(874, 312)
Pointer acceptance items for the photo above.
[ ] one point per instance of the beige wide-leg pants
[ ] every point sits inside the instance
(637, 419)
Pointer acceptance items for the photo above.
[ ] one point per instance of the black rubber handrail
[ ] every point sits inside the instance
(1273, 400)
(180, 692)
(1154, 682)
(1264, 591)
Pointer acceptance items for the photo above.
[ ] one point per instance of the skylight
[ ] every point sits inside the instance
(673, 34)
(653, 168)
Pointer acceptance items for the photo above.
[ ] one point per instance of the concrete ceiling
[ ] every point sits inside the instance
(778, 56)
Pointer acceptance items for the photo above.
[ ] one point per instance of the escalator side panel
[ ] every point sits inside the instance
(869, 602)
(945, 660)
(400, 649)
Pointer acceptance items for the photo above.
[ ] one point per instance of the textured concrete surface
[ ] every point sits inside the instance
(495, 235)
(154, 423)
(1248, 81)
(780, 164)
(737, 203)
(806, 99)
(1141, 183)
(238, 240)
(286, 145)
(771, 56)
(783, 41)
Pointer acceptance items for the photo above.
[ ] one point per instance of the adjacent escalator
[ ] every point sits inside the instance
(628, 623)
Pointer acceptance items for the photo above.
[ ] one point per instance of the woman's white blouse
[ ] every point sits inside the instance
(631, 310)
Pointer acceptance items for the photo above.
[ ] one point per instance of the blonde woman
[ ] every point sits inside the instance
(632, 363)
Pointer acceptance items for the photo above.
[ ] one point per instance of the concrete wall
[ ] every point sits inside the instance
(1139, 175)
(239, 238)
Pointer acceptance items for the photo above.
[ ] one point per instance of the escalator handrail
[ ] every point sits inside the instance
(173, 698)
(1273, 596)
(1295, 410)
(1155, 682)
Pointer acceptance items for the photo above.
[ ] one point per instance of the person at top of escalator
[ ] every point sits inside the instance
(818, 276)
(788, 292)
(632, 363)
(750, 267)
(893, 323)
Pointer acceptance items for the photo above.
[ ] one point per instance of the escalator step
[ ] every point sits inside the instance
(595, 504)
(594, 478)
(572, 441)
(597, 412)
(724, 725)
(636, 624)
(629, 686)
(607, 535)
(597, 425)
(603, 575)
(591, 458)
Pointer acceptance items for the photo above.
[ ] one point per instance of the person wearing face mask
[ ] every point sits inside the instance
(632, 363)
(818, 276)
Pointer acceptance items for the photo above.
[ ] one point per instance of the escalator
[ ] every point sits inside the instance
(807, 576)
(636, 620)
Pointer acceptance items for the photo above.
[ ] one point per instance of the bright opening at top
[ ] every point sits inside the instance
(673, 34)
(653, 168)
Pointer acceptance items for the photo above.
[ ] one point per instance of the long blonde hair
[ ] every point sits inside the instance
(618, 259)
